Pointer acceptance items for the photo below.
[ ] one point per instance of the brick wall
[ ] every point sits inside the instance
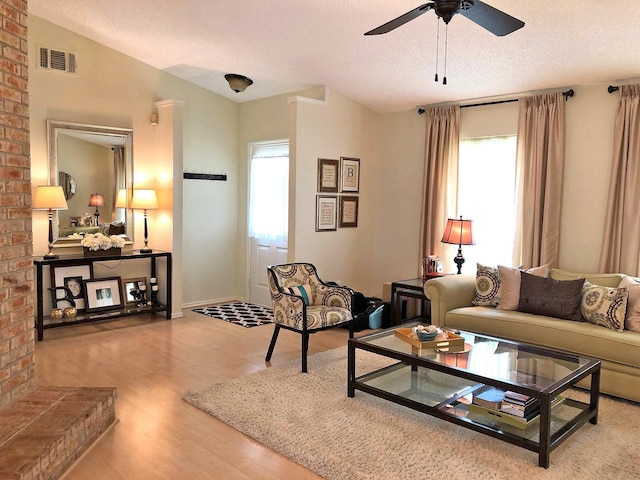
(16, 289)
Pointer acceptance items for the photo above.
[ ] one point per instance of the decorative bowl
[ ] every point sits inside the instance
(56, 313)
(425, 336)
(69, 312)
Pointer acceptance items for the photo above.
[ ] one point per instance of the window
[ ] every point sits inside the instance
(269, 191)
(487, 195)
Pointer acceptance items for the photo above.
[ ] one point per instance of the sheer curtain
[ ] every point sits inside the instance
(120, 173)
(269, 197)
(440, 174)
(540, 163)
(620, 251)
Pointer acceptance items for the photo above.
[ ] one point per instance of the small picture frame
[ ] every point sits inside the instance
(75, 221)
(348, 211)
(129, 288)
(103, 294)
(67, 285)
(349, 174)
(326, 213)
(328, 175)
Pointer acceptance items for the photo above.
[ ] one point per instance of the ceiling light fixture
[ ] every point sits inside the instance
(238, 83)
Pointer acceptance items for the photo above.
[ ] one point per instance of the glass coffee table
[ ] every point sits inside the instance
(442, 379)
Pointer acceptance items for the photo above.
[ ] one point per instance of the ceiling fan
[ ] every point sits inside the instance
(488, 17)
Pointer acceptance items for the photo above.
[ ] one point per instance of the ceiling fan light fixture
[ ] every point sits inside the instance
(238, 83)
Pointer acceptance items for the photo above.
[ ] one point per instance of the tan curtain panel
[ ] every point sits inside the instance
(540, 165)
(439, 190)
(621, 240)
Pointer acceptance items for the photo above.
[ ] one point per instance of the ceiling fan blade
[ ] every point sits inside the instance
(401, 20)
(492, 19)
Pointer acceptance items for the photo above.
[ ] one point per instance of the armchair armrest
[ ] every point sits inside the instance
(447, 293)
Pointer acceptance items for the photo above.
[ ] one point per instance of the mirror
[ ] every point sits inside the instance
(85, 160)
(68, 184)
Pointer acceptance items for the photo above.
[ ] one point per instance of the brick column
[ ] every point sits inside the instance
(16, 289)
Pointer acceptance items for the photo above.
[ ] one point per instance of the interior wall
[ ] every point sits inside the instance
(112, 89)
(333, 128)
(91, 166)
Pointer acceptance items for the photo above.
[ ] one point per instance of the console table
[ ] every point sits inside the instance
(42, 322)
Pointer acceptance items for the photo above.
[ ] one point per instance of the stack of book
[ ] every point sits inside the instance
(520, 405)
(510, 407)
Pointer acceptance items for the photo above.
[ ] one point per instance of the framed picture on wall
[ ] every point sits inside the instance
(328, 175)
(348, 211)
(349, 174)
(326, 213)
(68, 285)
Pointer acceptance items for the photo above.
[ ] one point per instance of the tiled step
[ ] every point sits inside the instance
(46, 430)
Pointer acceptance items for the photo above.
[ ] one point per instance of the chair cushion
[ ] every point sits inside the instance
(303, 291)
(319, 316)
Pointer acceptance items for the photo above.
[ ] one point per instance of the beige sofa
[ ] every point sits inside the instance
(451, 306)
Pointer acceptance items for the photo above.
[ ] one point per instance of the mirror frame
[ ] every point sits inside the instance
(54, 127)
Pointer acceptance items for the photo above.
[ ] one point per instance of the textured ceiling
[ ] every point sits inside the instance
(288, 45)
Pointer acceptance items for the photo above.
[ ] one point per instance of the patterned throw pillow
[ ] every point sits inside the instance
(553, 298)
(487, 286)
(632, 318)
(605, 306)
(303, 291)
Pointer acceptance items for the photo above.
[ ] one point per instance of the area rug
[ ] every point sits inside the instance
(241, 313)
(309, 419)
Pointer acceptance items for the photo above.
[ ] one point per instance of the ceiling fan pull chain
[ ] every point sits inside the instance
(437, 48)
(446, 46)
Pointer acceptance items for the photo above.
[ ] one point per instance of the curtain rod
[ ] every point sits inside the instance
(566, 95)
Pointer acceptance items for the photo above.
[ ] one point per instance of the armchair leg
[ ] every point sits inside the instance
(276, 330)
(305, 348)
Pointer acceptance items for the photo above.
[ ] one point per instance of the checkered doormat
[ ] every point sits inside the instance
(244, 314)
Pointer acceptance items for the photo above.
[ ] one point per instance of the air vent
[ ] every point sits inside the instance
(57, 60)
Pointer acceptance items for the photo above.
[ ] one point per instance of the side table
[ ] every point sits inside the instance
(411, 288)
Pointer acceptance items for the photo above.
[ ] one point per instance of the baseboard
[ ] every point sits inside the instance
(198, 304)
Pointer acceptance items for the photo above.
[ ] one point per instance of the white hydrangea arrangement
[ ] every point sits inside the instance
(98, 241)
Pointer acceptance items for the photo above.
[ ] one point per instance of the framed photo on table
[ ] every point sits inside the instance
(130, 285)
(328, 175)
(102, 294)
(349, 174)
(348, 211)
(326, 213)
(68, 285)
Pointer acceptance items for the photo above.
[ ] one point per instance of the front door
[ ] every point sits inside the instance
(268, 214)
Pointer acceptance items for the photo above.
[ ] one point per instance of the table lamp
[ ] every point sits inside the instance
(96, 200)
(121, 199)
(145, 200)
(458, 232)
(49, 197)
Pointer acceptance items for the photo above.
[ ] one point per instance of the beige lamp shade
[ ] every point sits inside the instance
(144, 199)
(49, 197)
(121, 199)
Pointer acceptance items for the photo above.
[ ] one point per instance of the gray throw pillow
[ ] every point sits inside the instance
(549, 297)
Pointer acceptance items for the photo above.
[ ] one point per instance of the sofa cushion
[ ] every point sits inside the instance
(605, 306)
(578, 337)
(632, 318)
(604, 279)
(553, 298)
(509, 294)
(487, 286)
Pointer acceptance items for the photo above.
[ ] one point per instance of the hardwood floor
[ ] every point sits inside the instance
(152, 363)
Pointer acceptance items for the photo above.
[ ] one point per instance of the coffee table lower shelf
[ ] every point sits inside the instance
(446, 396)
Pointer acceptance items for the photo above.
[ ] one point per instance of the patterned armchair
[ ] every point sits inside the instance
(305, 304)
